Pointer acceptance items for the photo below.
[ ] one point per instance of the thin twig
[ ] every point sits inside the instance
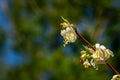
(112, 68)
(84, 40)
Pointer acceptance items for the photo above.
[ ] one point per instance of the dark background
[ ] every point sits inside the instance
(31, 47)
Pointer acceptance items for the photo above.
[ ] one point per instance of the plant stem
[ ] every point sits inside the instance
(90, 45)
(112, 68)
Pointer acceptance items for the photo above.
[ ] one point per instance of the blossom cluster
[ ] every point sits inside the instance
(90, 57)
(68, 32)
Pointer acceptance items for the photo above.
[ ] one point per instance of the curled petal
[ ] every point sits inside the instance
(97, 45)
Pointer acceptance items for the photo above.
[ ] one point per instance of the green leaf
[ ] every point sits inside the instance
(64, 19)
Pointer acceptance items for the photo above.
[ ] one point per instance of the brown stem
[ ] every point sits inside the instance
(112, 68)
(84, 40)
(90, 45)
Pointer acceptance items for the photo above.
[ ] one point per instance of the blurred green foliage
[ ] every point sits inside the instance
(37, 36)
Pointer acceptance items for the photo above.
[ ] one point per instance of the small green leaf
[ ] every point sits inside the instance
(64, 19)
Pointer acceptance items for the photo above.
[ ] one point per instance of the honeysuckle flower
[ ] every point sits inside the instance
(101, 53)
(86, 64)
(68, 32)
(116, 77)
(69, 35)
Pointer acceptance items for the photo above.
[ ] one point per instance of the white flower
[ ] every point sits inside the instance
(101, 54)
(69, 35)
(86, 64)
(116, 77)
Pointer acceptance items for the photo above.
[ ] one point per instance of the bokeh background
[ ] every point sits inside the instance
(31, 47)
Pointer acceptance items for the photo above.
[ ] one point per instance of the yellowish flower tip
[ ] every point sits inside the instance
(116, 77)
(86, 64)
(64, 25)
